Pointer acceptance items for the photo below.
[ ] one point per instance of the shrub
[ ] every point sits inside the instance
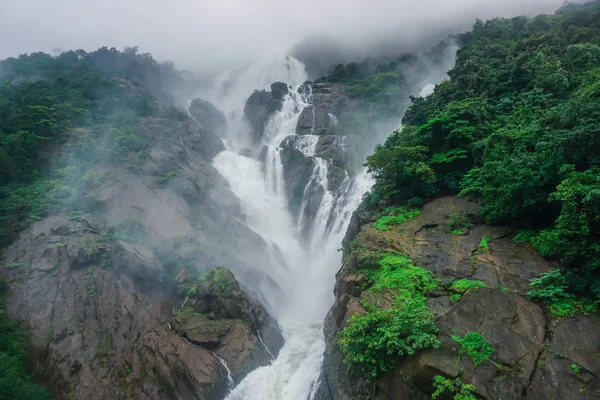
(456, 388)
(14, 381)
(483, 246)
(459, 224)
(398, 272)
(475, 346)
(374, 340)
(462, 286)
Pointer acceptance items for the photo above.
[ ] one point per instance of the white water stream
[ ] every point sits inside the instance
(303, 270)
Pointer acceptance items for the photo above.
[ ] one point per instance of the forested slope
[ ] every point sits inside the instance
(517, 126)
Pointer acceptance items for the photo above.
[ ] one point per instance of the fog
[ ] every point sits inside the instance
(206, 36)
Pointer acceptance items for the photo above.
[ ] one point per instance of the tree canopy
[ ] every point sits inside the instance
(517, 125)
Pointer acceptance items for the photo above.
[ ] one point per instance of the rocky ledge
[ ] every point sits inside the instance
(534, 356)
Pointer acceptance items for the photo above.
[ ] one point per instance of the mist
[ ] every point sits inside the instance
(209, 36)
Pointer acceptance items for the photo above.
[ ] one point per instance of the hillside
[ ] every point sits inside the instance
(445, 301)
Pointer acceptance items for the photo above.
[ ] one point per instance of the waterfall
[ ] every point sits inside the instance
(303, 270)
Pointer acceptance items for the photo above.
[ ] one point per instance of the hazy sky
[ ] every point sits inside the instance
(209, 35)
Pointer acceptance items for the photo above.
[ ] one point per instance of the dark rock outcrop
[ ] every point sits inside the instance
(328, 100)
(261, 105)
(533, 355)
(219, 316)
(208, 116)
(98, 315)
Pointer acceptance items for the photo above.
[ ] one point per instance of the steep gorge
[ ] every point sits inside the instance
(190, 252)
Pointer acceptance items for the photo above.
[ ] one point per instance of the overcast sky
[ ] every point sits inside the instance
(209, 35)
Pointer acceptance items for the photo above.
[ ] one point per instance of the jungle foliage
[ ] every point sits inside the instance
(517, 125)
(60, 114)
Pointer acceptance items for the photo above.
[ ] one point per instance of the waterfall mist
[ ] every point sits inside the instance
(303, 248)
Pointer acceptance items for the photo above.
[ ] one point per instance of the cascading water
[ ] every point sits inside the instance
(304, 270)
(303, 250)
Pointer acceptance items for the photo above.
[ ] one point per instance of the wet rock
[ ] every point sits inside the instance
(279, 89)
(297, 171)
(221, 317)
(306, 121)
(261, 105)
(137, 261)
(208, 116)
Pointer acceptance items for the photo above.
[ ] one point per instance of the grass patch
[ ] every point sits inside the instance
(475, 346)
(397, 271)
(462, 286)
(395, 216)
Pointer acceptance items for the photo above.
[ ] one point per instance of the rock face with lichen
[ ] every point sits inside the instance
(535, 356)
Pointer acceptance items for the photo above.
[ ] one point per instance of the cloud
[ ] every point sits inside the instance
(210, 35)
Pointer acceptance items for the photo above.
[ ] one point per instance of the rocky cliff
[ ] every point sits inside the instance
(118, 298)
(532, 355)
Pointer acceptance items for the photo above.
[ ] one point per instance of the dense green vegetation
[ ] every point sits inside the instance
(69, 112)
(373, 340)
(58, 117)
(517, 125)
(455, 388)
(15, 383)
(475, 346)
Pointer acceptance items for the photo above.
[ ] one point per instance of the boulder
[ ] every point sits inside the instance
(221, 317)
(261, 105)
(279, 89)
(208, 116)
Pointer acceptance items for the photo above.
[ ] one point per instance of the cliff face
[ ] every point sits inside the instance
(102, 292)
(534, 356)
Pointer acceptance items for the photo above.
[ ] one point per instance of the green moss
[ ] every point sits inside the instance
(464, 285)
(15, 265)
(576, 368)
(475, 346)
(455, 298)
(395, 216)
(502, 288)
(483, 246)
